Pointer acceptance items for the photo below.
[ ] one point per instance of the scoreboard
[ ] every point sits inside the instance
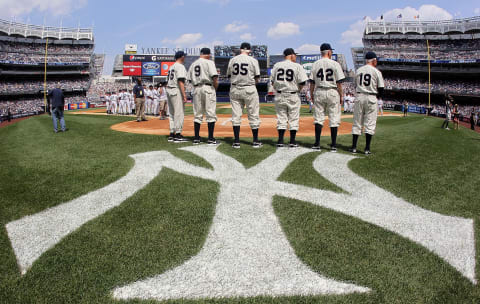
(147, 65)
(151, 65)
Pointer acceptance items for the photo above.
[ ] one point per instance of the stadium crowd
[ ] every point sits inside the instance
(417, 49)
(31, 105)
(24, 58)
(27, 86)
(450, 86)
(53, 49)
(33, 53)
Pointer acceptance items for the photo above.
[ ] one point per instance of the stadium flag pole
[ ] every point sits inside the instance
(429, 75)
(45, 78)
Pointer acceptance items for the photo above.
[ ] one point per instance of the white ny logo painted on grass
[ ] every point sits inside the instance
(246, 253)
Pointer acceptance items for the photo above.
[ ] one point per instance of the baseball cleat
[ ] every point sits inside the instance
(316, 148)
(367, 152)
(257, 145)
(236, 145)
(180, 139)
(171, 137)
(353, 150)
(293, 145)
(333, 149)
(213, 142)
(280, 145)
(196, 141)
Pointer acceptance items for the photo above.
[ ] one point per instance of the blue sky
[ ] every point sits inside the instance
(303, 25)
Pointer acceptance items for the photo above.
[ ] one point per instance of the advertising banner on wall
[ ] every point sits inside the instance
(132, 69)
(151, 68)
(165, 67)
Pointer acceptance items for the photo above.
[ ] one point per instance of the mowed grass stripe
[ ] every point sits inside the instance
(166, 222)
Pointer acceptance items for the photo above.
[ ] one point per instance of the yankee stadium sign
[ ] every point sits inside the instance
(246, 253)
(170, 51)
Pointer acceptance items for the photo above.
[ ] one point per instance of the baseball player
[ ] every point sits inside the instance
(128, 102)
(326, 89)
(114, 103)
(204, 78)
(156, 100)
(163, 102)
(244, 72)
(369, 83)
(380, 106)
(132, 102)
(288, 78)
(107, 102)
(122, 103)
(148, 100)
(177, 97)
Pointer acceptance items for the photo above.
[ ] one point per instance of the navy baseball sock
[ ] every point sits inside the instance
(334, 132)
(369, 140)
(211, 128)
(293, 134)
(318, 133)
(197, 130)
(255, 135)
(354, 142)
(281, 134)
(236, 133)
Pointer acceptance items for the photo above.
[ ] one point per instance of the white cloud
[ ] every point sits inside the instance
(283, 29)
(247, 36)
(220, 2)
(477, 11)
(9, 8)
(235, 27)
(353, 35)
(178, 3)
(308, 49)
(184, 40)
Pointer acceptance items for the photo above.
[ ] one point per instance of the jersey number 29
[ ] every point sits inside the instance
(281, 73)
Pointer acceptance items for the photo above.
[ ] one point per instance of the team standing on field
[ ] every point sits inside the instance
(287, 79)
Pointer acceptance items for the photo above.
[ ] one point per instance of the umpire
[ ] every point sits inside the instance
(139, 95)
(56, 100)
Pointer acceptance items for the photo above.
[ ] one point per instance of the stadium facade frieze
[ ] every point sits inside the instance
(169, 51)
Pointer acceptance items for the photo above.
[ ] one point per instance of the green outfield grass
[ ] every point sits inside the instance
(167, 222)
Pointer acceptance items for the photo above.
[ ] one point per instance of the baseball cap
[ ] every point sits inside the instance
(245, 46)
(205, 51)
(288, 52)
(179, 54)
(370, 55)
(326, 47)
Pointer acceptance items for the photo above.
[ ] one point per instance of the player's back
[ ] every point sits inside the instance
(177, 71)
(326, 73)
(202, 71)
(286, 75)
(242, 70)
(368, 79)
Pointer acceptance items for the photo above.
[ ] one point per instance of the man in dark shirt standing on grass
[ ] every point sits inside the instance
(139, 95)
(57, 101)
